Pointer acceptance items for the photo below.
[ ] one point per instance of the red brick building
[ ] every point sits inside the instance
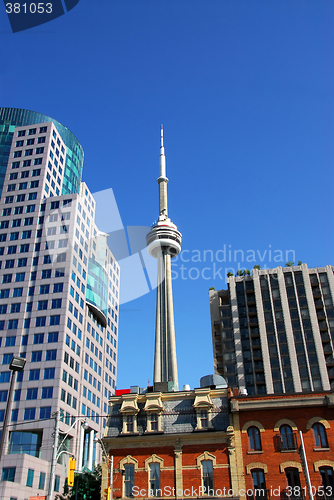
(171, 444)
(267, 430)
(207, 443)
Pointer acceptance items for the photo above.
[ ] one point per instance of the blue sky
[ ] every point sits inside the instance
(245, 92)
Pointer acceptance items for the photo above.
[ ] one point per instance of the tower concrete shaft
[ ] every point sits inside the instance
(164, 243)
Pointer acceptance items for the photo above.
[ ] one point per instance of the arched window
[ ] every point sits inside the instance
(320, 435)
(259, 485)
(293, 480)
(254, 439)
(288, 440)
(327, 477)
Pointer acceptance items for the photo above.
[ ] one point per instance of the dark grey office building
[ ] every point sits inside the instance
(273, 332)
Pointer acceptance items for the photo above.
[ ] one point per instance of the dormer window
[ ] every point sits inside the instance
(154, 409)
(129, 423)
(203, 406)
(204, 419)
(154, 421)
(129, 411)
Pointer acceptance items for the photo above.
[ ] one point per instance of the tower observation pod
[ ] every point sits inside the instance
(163, 243)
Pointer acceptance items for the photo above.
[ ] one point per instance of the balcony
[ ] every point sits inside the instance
(327, 349)
(250, 299)
(329, 360)
(253, 321)
(325, 337)
(321, 314)
(257, 355)
(286, 442)
(323, 325)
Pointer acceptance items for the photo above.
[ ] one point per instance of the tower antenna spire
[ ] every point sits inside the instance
(163, 243)
(162, 157)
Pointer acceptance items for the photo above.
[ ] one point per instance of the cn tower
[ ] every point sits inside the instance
(163, 243)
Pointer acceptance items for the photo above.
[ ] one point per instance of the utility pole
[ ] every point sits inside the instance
(302, 454)
(54, 457)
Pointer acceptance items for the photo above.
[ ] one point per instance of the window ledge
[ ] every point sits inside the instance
(321, 449)
(290, 451)
(153, 432)
(254, 452)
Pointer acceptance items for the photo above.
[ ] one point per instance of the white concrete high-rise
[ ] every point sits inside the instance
(58, 306)
(164, 243)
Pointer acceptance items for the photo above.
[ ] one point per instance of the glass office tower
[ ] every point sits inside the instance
(73, 159)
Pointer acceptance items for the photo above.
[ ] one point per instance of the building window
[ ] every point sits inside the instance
(32, 393)
(45, 412)
(51, 355)
(204, 419)
(259, 484)
(129, 480)
(49, 373)
(327, 478)
(129, 423)
(154, 422)
(57, 482)
(34, 374)
(6, 358)
(254, 439)
(154, 481)
(52, 337)
(36, 356)
(8, 474)
(29, 413)
(320, 436)
(287, 438)
(207, 477)
(41, 484)
(30, 478)
(47, 392)
(38, 338)
(293, 479)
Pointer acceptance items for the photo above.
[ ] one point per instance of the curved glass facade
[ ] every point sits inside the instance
(97, 286)
(14, 117)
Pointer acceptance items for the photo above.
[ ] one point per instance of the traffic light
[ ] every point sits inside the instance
(107, 492)
(71, 468)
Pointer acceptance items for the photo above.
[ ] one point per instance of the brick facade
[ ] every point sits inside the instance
(277, 452)
(194, 433)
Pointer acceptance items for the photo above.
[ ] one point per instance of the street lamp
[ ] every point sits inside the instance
(57, 450)
(16, 365)
(110, 465)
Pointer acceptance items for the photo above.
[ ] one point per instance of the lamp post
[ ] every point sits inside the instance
(57, 450)
(16, 365)
(110, 465)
